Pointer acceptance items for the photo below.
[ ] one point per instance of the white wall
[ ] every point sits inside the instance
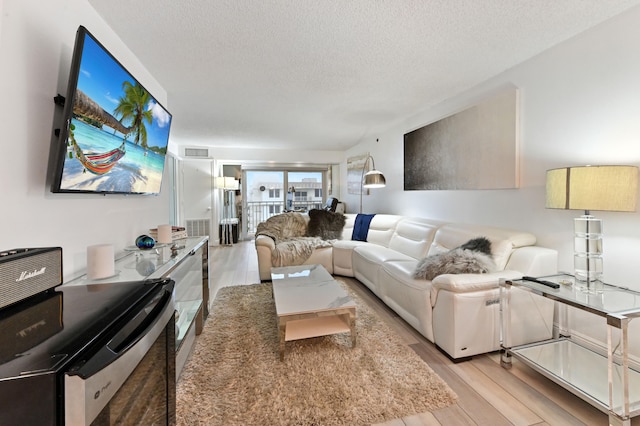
(262, 156)
(197, 194)
(36, 44)
(580, 104)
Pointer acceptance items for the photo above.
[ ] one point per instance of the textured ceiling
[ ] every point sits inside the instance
(326, 74)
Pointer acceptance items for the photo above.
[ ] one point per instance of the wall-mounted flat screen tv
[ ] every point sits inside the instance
(115, 134)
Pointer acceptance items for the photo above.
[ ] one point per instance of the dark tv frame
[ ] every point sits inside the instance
(62, 134)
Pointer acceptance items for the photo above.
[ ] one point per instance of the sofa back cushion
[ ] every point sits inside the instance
(503, 241)
(413, 236)
(381, 228)
(350, 220)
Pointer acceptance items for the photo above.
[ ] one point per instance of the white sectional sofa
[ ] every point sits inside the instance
(458, 312)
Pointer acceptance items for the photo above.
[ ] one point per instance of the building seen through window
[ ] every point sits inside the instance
(272, 192)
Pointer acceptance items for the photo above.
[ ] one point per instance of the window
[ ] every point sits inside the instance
(318, 193)
(274, 193)
(274, 209)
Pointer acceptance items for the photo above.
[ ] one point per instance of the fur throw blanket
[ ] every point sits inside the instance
(296, 251)
(325, 224)
(288, 231)
(473, 257)
(283, 227)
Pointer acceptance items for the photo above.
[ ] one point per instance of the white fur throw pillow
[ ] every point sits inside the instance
(460, 260)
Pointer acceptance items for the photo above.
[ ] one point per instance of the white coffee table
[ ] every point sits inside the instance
(310, 303)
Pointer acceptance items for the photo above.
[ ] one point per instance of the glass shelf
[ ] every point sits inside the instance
(582, 371)
(186, 313)
(613, 299)
(140, 265)
(601, 377)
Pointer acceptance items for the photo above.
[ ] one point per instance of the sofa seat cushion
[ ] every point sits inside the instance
(348, 244)
(379, 254)
(407, 296)
(342, 256)
(321, 256)
(368, 258)
(403, 271)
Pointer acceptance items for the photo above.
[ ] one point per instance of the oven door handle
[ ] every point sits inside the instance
(89, 388)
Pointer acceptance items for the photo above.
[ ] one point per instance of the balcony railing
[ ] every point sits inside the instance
(259, 211)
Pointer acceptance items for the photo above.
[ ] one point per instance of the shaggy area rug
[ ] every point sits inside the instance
(235, 377)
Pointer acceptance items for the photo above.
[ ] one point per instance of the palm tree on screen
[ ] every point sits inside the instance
(132, 107)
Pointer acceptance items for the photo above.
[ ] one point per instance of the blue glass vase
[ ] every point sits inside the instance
(145, 242)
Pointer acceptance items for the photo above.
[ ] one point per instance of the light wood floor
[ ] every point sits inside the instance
(487, 393)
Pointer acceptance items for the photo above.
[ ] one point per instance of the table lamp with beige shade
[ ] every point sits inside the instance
(603, 188)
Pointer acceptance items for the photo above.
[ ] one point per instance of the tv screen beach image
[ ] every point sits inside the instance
(118, 133)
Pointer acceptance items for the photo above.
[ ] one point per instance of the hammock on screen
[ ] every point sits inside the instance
(99, 163)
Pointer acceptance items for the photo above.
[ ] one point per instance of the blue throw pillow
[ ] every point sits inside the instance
(361, 227)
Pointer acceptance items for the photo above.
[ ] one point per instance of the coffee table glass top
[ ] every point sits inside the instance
(308, 288)
(308, 273)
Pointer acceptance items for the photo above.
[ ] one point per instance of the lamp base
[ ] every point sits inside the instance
(587, 258)
(590, 287)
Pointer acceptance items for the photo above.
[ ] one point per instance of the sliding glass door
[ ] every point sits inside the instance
(271, 192)
(263, 196)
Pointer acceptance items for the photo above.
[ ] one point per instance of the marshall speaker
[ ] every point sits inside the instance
(28, 271)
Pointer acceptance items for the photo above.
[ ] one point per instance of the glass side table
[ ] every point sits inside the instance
(604, 380)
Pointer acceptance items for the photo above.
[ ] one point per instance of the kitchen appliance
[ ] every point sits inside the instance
(101, 354)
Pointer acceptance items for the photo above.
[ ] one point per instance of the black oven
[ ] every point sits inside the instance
(98, 354)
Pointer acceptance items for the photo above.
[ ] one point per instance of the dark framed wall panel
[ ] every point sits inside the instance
(476, 148)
